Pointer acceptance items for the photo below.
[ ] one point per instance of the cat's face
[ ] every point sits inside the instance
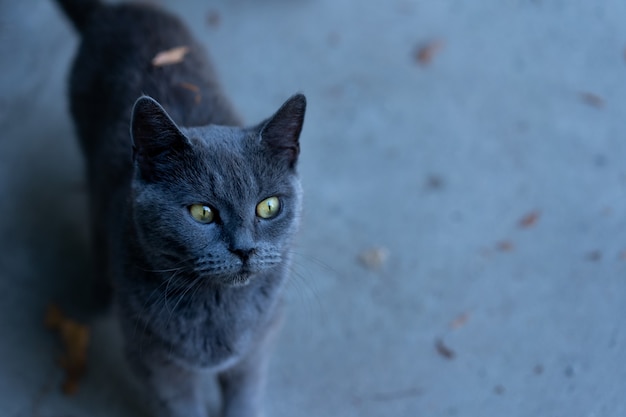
(222, 203)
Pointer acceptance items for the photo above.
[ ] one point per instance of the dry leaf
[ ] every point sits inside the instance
(334, 91)
(529, 220)
(396, 395)
(170, 57)
(592, 99)
(191, 87)
(213, 19)
(75, 339)
(434, 182)
(460, 321)
(425, 53)
(374, 258)
(504, 246)
(194, 89)
(54, 317)
(444, 350)
(333, 38)
(594, 256)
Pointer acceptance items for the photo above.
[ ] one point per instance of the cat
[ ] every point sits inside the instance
(193, 214)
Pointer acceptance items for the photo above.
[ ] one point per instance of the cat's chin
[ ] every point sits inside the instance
(236, 280)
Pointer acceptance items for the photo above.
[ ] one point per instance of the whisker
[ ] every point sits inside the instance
(167, 292)
(156, 291)
(303, 282)
(316, 261)
(197, 283)
(181, 262)
(182, 296)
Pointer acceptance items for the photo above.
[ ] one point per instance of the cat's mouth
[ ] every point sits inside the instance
(235, 274)
(239, 278)
(245, 274)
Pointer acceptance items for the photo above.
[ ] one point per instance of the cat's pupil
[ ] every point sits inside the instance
(268, 208)
(201, 213)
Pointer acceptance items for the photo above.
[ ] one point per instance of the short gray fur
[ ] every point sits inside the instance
(192, 298)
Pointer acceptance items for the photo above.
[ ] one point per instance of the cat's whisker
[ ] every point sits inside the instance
(306, 292)
(157, 291)
(167, 293)
(303, 280)
(148, 302)
(190, 286)
(315, 260)
(162, 270)
(175, 267)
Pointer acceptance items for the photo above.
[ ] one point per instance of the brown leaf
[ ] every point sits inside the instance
(333, 38)
(170, 57)
(505, 246)
(434, 182)
(194, 89)
(54, 317)
(374, 258)
(594, 256)
(592, 99)
(75, 339)
(395, 395)
(213, 19)
(529, 220)
(460, 321)
(444, 350)
(425, 53)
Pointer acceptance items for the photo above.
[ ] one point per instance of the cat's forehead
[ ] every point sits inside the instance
(215, 137)
(220, 154)
(229, 162)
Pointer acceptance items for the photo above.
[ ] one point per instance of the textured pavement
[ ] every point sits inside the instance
(462, 251)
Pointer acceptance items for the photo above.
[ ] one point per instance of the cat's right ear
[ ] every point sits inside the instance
(156, 138)
(281, 132)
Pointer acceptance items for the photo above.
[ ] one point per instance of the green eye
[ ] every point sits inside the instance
(201, 213)
(268, 208)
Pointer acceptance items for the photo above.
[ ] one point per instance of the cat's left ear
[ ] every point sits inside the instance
(157, 141)
(281, 132)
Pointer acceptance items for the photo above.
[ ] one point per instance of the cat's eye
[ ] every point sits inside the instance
(268, 208)
(201, 213)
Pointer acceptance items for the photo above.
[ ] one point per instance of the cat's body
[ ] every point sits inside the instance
(192, 225)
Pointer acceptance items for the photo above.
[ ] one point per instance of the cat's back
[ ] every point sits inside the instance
(115, 65)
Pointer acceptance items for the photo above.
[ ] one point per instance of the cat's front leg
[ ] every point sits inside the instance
(243, 384)
(171, 390)
(242, 387)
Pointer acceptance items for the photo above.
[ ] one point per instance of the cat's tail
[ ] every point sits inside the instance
(79, 11)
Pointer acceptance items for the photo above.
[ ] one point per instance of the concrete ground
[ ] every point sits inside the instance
(462, 252)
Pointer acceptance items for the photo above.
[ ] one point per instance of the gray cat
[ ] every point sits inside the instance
(192, 214)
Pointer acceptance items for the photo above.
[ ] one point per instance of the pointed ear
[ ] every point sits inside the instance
(156, 138)
(281, 132)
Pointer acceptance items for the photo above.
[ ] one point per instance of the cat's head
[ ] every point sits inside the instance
(220, 202)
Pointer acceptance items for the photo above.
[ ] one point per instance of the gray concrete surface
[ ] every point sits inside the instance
(522, 110)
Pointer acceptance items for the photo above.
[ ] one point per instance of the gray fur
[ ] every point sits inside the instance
(191, 297)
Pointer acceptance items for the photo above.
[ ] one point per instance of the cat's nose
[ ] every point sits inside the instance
(243, 253)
